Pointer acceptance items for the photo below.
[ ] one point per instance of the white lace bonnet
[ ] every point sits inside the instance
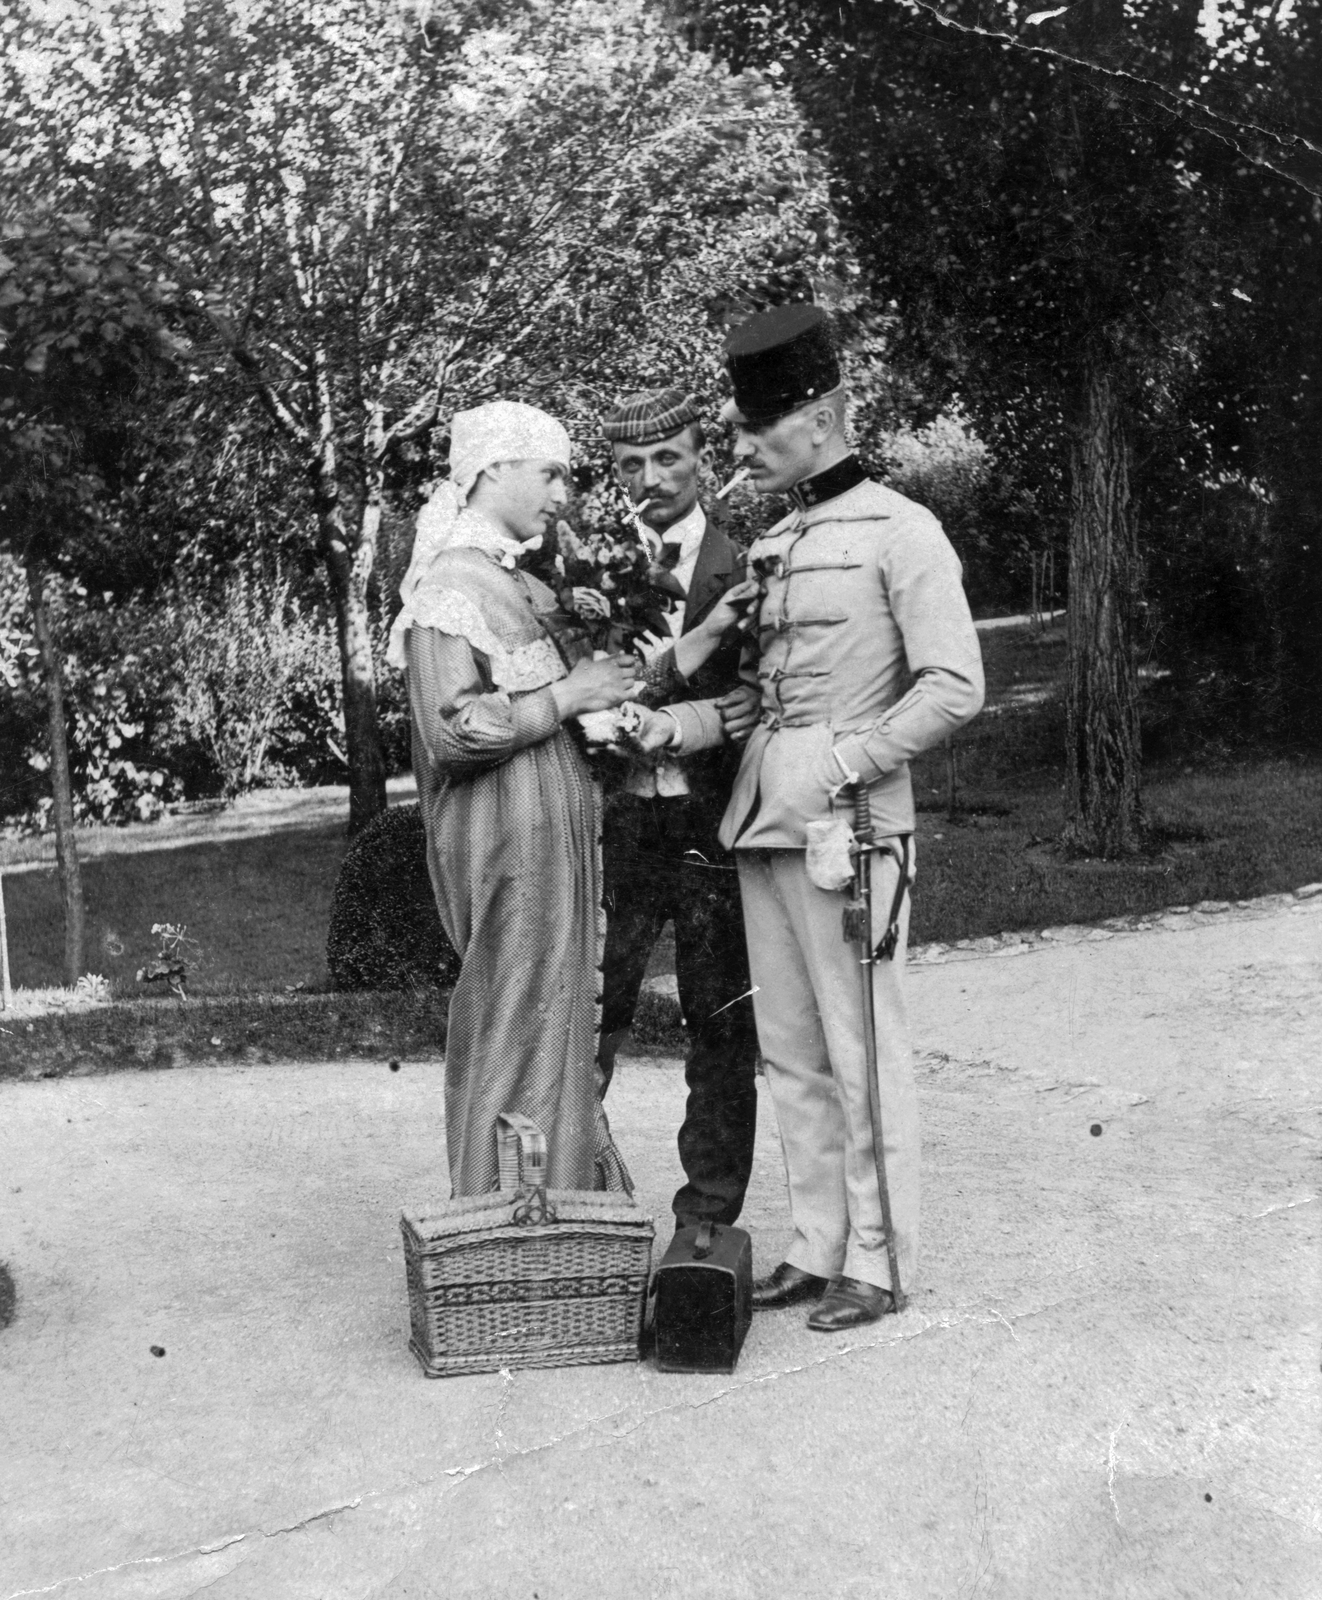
(501, 430)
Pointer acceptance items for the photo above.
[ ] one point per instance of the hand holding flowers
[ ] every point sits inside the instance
(595, 685)
(649, 733)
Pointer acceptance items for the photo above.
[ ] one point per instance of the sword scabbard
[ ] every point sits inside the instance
(858, 929)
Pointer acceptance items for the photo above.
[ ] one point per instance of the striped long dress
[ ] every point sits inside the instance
(512, 819)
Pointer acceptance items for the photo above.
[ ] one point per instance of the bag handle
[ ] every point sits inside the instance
(521, 1154)
(705, 1241)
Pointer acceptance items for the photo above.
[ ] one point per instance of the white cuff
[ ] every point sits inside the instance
(848, 776)
(676, 738)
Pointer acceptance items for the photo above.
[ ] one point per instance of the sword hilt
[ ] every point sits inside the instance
(858, 913)
(862, 814)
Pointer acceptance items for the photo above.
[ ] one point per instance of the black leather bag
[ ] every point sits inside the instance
(704, 1299)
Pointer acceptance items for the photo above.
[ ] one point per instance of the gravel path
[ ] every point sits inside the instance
(1107, 1384)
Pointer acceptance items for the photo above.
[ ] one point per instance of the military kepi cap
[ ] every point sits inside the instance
(779, 360)
(649, 416)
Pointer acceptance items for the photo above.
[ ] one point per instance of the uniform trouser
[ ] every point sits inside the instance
(809, 1011)
(662, 861)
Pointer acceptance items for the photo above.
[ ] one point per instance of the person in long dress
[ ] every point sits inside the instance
(510, 810)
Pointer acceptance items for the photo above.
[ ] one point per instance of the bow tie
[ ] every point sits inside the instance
(661, 574)
(665, 581)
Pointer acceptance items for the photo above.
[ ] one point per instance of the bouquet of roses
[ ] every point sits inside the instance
(606, 575)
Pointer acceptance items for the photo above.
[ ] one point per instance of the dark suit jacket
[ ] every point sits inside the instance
(720, 565)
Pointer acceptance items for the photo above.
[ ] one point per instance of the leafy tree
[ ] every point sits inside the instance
(1054, 202)
(990, 518)
(238, 666)
(382, 215)
(1240, 581)
(80, 311)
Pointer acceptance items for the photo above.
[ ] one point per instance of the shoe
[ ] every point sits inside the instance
(787, 1286)
(848, 1303)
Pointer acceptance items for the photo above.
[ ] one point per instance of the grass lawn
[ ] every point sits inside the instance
(149, 1035)
(1242, 833)
(258, 906)
(1220, 830)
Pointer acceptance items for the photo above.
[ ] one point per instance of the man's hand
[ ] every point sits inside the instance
(652, 731)
(651, 645)
(839, 781)
(739, 712)
(737, 608)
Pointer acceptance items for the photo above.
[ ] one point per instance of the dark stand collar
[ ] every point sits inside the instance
(836, 480)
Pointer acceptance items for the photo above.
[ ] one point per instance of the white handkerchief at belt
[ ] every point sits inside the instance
(829, 860)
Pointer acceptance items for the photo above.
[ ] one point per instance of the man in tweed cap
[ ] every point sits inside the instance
(662, 858)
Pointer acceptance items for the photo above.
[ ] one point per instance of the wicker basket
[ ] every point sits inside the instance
(526, 1277)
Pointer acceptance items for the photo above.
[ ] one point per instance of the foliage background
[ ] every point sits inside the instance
(374, 215)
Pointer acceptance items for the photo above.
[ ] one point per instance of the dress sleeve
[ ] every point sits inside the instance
(464, 725)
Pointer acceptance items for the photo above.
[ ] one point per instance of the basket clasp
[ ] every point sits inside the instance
(533, 1207)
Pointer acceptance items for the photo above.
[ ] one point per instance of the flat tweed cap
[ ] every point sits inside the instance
(778, 361)
(650, 415)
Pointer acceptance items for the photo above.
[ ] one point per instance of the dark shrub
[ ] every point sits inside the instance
(384, 929)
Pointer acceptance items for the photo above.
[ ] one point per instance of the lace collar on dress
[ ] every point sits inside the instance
(473, 531)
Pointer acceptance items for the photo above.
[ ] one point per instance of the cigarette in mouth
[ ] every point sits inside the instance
(737, 479)
(649, 536)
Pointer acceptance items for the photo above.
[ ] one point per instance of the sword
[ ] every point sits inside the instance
(858, 932)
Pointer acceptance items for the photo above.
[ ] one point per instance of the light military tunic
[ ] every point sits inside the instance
(866, 648)
(866, 656)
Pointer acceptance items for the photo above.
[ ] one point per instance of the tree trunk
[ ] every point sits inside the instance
(66, 849)
(1102, 809)
(348, 571)
(362, 736)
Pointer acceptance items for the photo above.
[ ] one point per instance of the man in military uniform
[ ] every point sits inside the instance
(867, 655)
(662, 859)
